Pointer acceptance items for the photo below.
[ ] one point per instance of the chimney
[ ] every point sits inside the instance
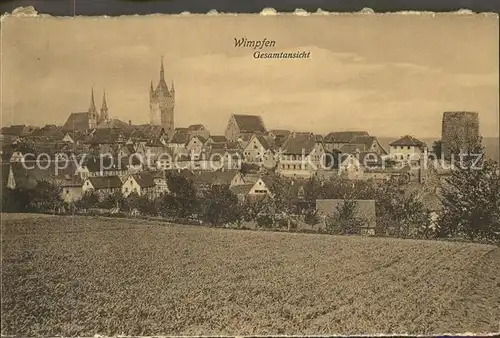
(129, 122)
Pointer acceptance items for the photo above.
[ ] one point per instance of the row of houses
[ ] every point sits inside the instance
(301, 154)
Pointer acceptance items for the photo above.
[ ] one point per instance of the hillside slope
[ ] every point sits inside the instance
(86, 276)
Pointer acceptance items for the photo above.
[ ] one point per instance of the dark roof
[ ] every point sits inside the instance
(365, 209)
(146, 132)
(28, 175)
(49, 130)
(180, 137)
(349, 148)
(77, 121)
(214, 177)
(297, 143)
(408, 140)
(115, 123)
(196, 127)
(145, 179)
(249, 123)
(263, 141)
(199, 137)
(105, 182)
(344, 136)
(366, 140)
(18, 130)
(218, 138)
(106, 136)
(280, 132)
(242, 189)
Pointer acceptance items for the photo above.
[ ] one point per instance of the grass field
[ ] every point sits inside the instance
(86, 276)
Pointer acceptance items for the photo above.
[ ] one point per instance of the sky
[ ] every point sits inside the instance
(387, 74)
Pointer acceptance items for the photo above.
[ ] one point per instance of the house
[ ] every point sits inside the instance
(178, 141)
(198, 130)
(407, 149)
(365, 209)
(81, 122)
(195, 145)
(220, 139)
(335, 140)
(18, 130)
(71, 190)
(203, 180)
(147, 134)
(103, 166)
(256, 149)
(49, 130)
(148, 183)
(102, 185)
(368, 143)
(301, 156)
(256, 189)
(241, 124)
(223, 159)
(28, 174)
(350, 167)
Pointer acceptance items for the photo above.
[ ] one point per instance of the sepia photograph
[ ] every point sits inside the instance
(187, 175)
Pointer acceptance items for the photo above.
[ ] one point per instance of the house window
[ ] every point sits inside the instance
(126, 189)
(408, 147)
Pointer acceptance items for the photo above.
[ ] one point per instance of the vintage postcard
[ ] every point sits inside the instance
(326, 174)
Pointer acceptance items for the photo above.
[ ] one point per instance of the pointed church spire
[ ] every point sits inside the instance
(162, 71)
(92, 102)
(104, 103)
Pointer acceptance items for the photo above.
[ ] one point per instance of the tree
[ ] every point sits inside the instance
(184, 193)
(220, 206)
(89, 200)
(113, 200)
(46, 197)
(471, 204)
(345, 219)
(437, 148)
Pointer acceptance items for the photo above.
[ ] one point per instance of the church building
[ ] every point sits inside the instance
(161, 104)
(85, 121)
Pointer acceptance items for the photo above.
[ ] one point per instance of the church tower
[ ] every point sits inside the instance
(162, 103)
(92, 113)
(104, 117)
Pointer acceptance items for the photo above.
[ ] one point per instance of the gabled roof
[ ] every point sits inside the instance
(344, 136)
(218, 139)
(365, 209)
(49, 130)
(199, 137)
(18, 130)
(349, 148)
(366, 140)
(249, 123)
(28, 175)
(115, 123)
(179, 137)
(408, 140)
(242, 189)
(105, 182)
(298, 143)
(196, 127)
(146, 132)
(77, 121)
(145, 179)
(106, 136)
(280, 132)
(214, 177)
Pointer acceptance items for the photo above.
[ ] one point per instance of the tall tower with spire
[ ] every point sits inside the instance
(104, 117)
(162, 103)
(93, 116)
